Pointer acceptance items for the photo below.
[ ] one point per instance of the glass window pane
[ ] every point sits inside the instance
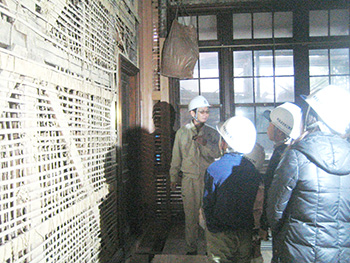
(283, 24)
(247, 112)
(188, 20)
(284, 62)
(210, 90)
(195, 71)
(188, 90)
(264, 141)
(262, 25)
(243, 90)
(318, 23)
(242, 26)
(185, 116)
(214, 116)
(339, 22)
(242, 63)
(264, 91)
(263, 63)
(342, 81)
(209, 64)
(318, 60)
(318, 82)
(207, 27)
(261, 122)
(339, 61)
(284, 89)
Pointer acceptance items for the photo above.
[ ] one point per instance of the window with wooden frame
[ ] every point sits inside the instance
(264, 56)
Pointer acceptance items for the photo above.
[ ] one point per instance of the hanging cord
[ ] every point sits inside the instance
(182, 11)
(177, 10)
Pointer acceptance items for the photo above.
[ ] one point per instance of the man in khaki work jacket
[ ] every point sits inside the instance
(196, 146)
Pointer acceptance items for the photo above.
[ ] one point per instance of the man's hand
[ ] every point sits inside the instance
(263, 234)
(202, 221)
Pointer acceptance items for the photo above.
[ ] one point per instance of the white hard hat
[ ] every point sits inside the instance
(256, 156)
(198, 102)
(332, 105)
(288, 118)
(239, 133)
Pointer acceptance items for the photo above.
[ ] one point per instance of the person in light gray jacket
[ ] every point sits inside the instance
(308, 204)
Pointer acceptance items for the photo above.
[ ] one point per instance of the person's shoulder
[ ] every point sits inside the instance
(281, 147)
(184, 129)
(208, 126)
(247, 164)
(217, 165)
(210, 129)
(249, 171)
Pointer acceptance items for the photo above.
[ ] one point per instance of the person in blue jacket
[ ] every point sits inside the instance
(230, 191)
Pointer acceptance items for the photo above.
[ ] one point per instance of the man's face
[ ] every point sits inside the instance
(202, 114)
(271, 131)
(274, 133)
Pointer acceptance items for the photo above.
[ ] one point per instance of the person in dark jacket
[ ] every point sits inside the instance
(308, 204)
(230, 191)
(284, 127)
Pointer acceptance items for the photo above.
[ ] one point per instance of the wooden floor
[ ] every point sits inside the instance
(167, 245)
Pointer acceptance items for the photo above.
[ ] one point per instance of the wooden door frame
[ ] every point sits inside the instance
(128, 68)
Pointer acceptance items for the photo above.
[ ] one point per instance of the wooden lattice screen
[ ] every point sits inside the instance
(58, 95)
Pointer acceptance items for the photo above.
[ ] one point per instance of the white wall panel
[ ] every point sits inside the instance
(58, 86)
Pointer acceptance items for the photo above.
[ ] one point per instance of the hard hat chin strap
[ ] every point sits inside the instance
(222, 151)
(195, 117)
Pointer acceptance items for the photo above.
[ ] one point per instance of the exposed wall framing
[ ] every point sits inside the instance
(58, 95)
(156, 47)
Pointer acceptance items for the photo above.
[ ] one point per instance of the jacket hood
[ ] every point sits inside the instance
(328, 151)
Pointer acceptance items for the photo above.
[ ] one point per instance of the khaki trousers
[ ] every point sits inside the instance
(230, 246)
(192, 194)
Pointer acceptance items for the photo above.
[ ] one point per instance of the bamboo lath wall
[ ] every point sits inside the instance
(58, 95)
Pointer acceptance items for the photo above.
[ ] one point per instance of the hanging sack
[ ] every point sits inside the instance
(180, 51)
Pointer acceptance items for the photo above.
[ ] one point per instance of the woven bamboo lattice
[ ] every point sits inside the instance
(58, 69)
